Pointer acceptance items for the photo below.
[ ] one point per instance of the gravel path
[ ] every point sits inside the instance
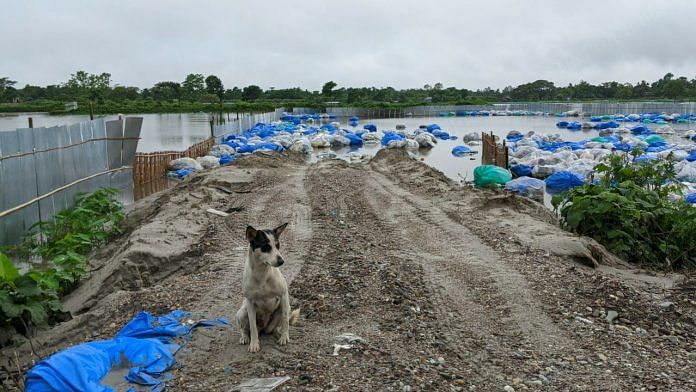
(449, 288)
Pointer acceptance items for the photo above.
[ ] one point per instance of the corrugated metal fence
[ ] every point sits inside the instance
(245, 123)
(588, 108)
(43, 169)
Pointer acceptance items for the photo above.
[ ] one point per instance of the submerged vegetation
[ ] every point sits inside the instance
(629, 209)
(32, 299)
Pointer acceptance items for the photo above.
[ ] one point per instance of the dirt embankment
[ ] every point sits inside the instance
(450, 288)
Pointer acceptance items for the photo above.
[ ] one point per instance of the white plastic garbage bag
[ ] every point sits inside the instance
(208, 162)
(184, 163)
(220, 150)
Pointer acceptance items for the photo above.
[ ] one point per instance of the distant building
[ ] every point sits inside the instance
(428, 99)
(332, 103)
(70, 106)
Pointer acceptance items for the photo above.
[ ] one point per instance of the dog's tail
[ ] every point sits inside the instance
(294, 316)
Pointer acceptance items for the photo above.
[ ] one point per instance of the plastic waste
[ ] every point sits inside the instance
(490, 176)
(145, 344)
(687, 173)
(460, 151)
(562, 181)
(226, 159)
(426, 140)
(301, 145)
(532, 188)
(521, 170)
(690, 198)
(209, 162)
(185, 163)
(219, 150)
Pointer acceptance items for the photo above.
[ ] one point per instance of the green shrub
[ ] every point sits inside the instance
(31, 299)
(628, 210)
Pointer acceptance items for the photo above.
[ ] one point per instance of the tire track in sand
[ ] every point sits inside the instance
(494, 298)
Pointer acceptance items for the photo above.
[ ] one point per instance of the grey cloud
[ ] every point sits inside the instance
(407, 43)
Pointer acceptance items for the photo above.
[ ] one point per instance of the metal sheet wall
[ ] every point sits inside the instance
(37, 161)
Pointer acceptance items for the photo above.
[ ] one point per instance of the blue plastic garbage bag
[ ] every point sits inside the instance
(225, 159)
(433, 127)
(562, 124)
(354, 118)
(460, 151)
(440, 134)
(574, 125)
(355, 140)
(181, 173)
(514, 137)
(690, 198)
(562, 181)
(521, 170)
(353, 123)
(691, 157)
(370, 127)
(640, 130)
(389, 136)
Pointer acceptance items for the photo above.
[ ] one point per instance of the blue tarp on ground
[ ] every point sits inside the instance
(144, 344)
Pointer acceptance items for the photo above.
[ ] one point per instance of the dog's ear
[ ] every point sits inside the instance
(278, 230)
(250, 233)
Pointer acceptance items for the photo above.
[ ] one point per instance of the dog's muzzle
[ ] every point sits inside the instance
(279, 261)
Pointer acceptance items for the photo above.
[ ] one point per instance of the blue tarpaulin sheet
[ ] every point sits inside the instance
(144, 344)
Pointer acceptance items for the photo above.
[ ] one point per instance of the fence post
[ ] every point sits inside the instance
(31, 122)
(91, 111)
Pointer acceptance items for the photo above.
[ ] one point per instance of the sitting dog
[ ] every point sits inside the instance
(266, 299)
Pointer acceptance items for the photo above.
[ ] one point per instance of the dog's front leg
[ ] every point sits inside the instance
(253, 330)
(285, 320)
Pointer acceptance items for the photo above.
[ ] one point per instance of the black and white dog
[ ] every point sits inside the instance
(266, 299)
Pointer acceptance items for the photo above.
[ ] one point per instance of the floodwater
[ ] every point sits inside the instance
(461, 168)
(177, 132)
(160, 132)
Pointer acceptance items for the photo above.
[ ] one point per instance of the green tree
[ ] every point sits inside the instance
(6, 88)
(166, 91)
(91, 86)
(213, 85)
(193, 86)
(252, 93)
(328, 86)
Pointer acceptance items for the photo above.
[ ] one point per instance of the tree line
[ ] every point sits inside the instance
(83, 86)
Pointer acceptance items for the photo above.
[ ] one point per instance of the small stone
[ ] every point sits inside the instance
(602, 357)
(407, 388)
(611, 316)
(583, 320)
(535, 382)
(508, 388)
(666, 304)
(692, 356)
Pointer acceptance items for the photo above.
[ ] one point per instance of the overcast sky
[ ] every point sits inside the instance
(400, 43)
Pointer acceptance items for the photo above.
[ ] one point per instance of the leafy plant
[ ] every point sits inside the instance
(31, 299)
(629, 211)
